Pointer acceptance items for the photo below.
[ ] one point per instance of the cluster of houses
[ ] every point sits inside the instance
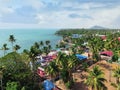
(103, 37)
(44, 60)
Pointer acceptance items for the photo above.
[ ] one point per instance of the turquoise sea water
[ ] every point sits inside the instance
(26, 37)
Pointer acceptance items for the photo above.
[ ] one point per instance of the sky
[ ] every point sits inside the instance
(59, 13)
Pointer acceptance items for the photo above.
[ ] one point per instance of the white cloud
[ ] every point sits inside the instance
(5, 10)
(99, 12)
(37, 4)
(103, 17)
(40, 18)
(5, 7)
(83, 6)
(59, 19)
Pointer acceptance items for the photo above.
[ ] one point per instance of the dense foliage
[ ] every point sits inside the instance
(16, 72)
(67, 32)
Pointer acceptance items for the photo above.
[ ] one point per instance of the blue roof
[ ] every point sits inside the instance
(48, 85)
(81, 57)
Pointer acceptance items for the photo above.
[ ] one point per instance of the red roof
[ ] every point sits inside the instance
(108, 53)
(103, 37)
(40, 72)
(118, 38)
(54, 56)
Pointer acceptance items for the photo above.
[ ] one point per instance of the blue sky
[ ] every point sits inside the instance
(59, 13)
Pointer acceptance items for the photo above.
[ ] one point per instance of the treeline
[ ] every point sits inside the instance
(64, 32)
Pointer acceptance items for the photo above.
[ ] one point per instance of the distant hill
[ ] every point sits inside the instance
(97, 27)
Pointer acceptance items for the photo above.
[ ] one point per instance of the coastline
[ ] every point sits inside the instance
(27, 37)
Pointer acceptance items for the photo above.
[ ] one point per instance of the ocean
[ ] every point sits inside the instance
(26, 37)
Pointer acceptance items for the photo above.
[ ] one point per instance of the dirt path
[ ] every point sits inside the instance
(80, 76)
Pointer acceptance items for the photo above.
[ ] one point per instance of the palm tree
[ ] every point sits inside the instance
(36, 45)
(16, 48)
(116, 73)
(62, 66)
(52, 69)
(57, 46)
(47, 42)
(60, 59)
(41, 44)
(66, 65)
(12, 40)
(49, 47)
(95, 79)
(46, 50)
(5, 48)
(95, 45)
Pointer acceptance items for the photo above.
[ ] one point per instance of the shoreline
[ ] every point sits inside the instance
(26, 38)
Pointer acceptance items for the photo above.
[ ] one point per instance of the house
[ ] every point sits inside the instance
(48, 85)
(41, 72)
(81, 57)
(103, 37)
(106, 55)
(76, 36)
(118, 38)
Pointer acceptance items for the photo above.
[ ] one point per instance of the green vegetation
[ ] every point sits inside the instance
(16, 72)
(12, 40)
(12, 86)
(63, 66)
(96, 41)
(14, 69)
(91, 38)
(95, 79)
(117, 86)
(5, 48)
(117, 74)
(68, 32)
